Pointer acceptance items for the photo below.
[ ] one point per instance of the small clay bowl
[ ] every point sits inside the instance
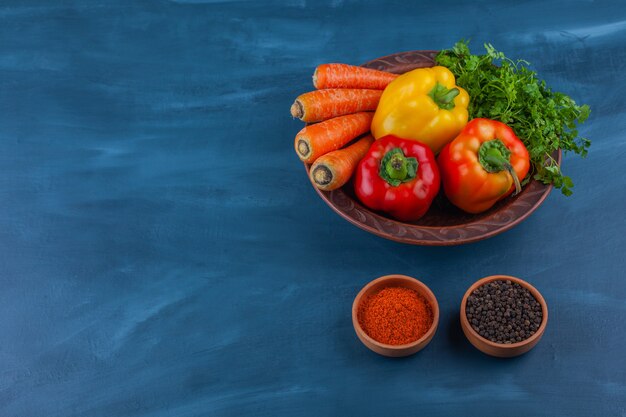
(502, 350)
(395, 281)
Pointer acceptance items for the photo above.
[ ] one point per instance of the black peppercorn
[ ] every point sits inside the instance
(503, 312)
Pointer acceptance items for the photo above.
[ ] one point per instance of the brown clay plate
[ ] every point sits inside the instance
(443, 224)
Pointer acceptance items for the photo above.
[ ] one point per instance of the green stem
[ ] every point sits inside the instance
(396, 168)
(443, 96)
(494, 156)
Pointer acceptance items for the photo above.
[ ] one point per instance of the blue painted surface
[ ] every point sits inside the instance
(163, 254)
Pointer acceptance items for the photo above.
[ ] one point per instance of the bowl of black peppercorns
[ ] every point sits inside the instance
(503, 316)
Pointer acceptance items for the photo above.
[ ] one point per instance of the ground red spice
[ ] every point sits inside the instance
(395, 315)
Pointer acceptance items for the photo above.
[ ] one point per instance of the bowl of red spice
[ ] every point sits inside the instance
(503, 316)
(395, 315)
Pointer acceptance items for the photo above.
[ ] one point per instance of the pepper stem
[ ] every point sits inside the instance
(443, 96)
(494, 156)
(396, 168)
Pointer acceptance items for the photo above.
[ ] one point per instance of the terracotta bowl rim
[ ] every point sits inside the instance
(529, 287)
(434, 305)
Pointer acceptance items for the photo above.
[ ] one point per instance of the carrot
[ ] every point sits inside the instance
(316, 140)
(350, 76)
(334, 169)
(325, 104)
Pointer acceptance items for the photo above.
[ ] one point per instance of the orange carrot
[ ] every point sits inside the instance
(325, 104)
(334, 169)
(350, 76)
(316, 140)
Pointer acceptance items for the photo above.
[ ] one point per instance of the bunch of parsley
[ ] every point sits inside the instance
(508, 91)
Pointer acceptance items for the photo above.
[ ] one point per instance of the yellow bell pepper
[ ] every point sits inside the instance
(423, 105)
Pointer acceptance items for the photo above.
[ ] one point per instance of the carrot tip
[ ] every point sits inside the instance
(322, 175)
(297, 110)
(303, 148)
(315, 78)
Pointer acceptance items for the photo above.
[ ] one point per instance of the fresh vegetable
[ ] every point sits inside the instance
(423, 105)
(482, 165)
(318, 139)
(399, 177)
(334, 169)
(508, 91)
(350, 76)
(321, 105)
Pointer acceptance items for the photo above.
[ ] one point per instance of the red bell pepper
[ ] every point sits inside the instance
(483, 164)
(399, 177)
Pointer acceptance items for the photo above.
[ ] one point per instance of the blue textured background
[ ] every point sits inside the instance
(163, 254)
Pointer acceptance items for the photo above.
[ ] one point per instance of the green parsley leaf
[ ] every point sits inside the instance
(506, 90)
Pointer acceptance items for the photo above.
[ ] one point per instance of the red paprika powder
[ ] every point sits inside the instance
(395, 315)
